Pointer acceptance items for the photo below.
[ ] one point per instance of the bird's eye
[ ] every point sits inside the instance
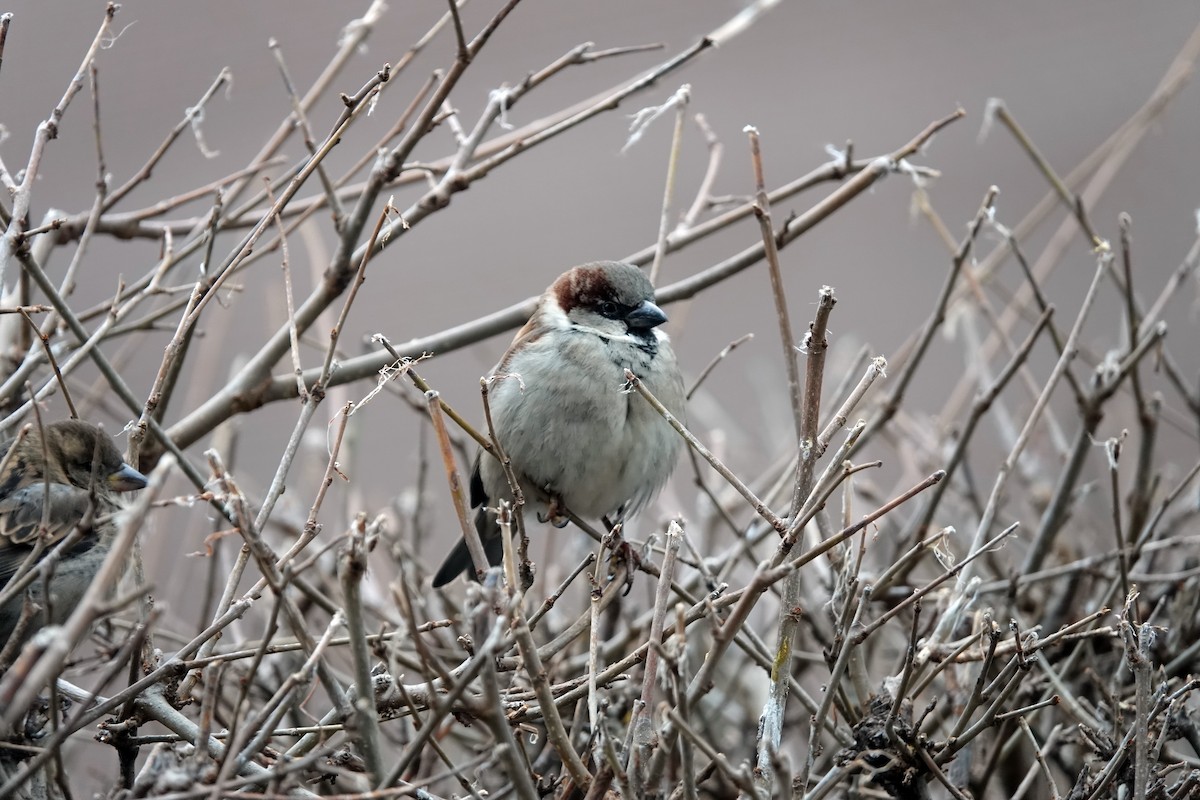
(608, 308)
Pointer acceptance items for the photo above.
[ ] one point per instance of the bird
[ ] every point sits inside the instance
(55, 474)
(563, 413)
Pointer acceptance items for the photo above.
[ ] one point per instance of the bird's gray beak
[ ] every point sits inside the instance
(126, 479)
(645, 316)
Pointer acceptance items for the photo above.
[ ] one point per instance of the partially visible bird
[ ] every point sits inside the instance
(563, 413)
(55, 478)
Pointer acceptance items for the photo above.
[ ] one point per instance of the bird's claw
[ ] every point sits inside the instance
(555, 512)
(623, 553)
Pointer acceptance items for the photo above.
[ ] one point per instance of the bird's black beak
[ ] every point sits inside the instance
(126, 479)
(645, 316)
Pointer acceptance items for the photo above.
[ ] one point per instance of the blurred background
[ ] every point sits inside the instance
(807, 75)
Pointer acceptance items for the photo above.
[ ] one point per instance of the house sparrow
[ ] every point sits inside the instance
(562, 412)
(55, 482)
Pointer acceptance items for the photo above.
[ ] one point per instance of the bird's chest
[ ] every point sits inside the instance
(569, 422)
(575, 385)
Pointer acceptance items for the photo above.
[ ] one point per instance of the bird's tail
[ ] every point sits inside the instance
(459, 560)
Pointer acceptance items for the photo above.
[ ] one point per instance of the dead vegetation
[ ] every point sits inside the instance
(803, 632)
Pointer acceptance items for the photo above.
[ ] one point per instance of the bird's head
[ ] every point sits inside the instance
(610, 297)
(78, 450)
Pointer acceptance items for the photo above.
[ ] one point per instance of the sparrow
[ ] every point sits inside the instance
(563, 413)
(57, 475)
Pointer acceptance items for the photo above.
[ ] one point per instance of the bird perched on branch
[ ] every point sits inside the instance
(67, 476)
(563, 413)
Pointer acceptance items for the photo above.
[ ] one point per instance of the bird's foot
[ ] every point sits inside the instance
(622, 553)
(555, 512)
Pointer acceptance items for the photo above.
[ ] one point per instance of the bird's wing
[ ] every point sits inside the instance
(21, 518)
(11, 558)
(21, 512)
(530, 332)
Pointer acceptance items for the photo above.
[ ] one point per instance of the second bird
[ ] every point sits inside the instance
(563, 414)
(54, 480)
